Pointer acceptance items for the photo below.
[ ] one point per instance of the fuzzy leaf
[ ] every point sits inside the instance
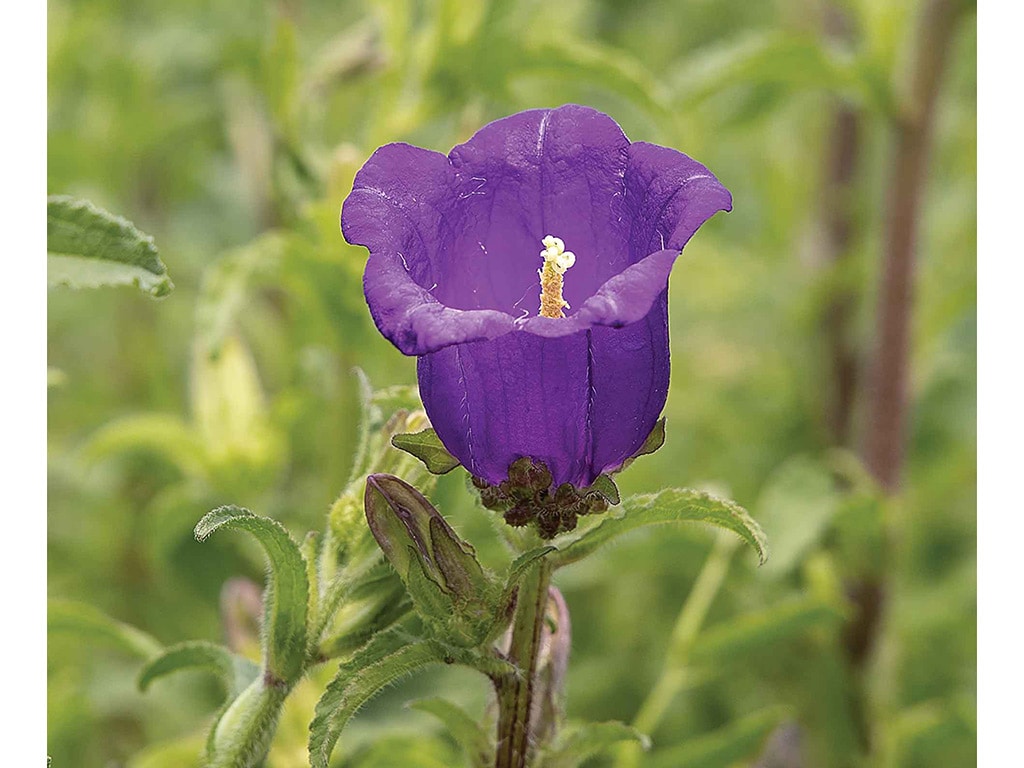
(466, 731)
(236, 672)
(428, 448)
(577, 744)
(287, 594)
(386, 659)
(89, 622)
(88, 247)
(674, 505)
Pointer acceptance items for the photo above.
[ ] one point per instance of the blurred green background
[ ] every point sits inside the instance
(230, 131)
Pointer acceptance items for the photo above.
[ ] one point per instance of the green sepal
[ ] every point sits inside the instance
(234, 671)
(286, 598)
(605, 487)
(428, 448)
(88, 247)
(654, 440)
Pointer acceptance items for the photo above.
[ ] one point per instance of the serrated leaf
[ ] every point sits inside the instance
(673, 505)
(428, 448)
(88, 622)
(236, 672)
(577, 744)
(752, 631)
(89, 247)
(736, 742)
(388, 658)
(466, 731)
(286, 597)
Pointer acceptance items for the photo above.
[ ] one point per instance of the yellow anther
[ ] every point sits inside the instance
(556, 261)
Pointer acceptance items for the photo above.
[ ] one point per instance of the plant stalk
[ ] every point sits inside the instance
(688, 626)
(516, 693)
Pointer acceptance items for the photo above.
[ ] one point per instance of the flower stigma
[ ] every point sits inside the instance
(556, 261)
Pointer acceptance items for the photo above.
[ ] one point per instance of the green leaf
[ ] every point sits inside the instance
(466, 731)
(797, 61)
(736, 742)
(572, 59)
(91, 623)
(673, 505)
(88, 247)
(287, 595)
(388, 658)
(753, 631)
(165, 435)
(797, 505)
(236, 672)
(578, 743)
(428, 448)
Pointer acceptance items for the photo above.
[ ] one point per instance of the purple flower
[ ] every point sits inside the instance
(453, 279)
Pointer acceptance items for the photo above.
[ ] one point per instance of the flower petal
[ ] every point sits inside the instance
(668, 196)
(493, 402)
(582, 404)
(397, 209)
(630, 376)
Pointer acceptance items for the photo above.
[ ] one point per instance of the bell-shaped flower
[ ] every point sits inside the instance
(561, 357)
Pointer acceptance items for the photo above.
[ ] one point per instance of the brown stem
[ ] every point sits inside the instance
(912, 131)
(839, 225)
(516, 692)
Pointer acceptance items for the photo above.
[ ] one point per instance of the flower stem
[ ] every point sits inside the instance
(516, 692)
(688, 625)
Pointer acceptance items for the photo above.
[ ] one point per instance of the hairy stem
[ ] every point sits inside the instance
(516, 692)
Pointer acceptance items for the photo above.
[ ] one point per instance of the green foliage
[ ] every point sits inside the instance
(231, 133)
(86, 622)
(287, 594)
(737, 741)
(235, 672)
(581, 741)
(387, 658)
(669, 506)
(88, 247)
(467, 732)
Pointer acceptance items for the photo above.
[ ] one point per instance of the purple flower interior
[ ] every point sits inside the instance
(455, 240)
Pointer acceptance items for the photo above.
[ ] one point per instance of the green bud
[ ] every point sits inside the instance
(441, 572)
(243, 733)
